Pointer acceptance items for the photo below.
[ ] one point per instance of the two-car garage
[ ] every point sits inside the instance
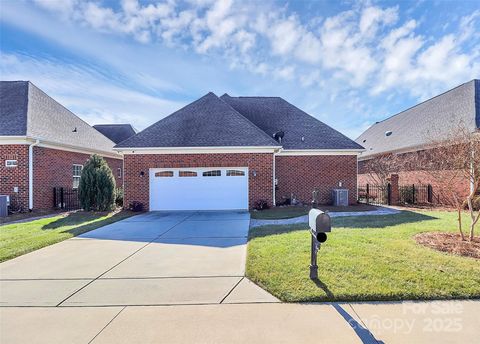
(212, 188)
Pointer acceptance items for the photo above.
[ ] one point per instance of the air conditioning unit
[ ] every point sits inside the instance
(4, 200)
(340, 197)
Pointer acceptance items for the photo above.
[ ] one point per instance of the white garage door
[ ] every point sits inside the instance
(199, 188)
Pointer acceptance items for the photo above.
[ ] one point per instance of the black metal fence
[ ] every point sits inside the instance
(415, 194)
(374, 194)
(66, 199)
(405, 195)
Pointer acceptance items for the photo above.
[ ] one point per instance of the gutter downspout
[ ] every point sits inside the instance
(30, 173)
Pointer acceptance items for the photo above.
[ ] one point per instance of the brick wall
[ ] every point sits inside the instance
(420, 172)
(137, 186)
(53, 168)
(11, 177)
(301, 175)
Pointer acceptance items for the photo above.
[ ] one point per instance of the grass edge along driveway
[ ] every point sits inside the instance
(17, 239)
(368, 258)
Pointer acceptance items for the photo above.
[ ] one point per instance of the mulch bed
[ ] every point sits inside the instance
(451, 243)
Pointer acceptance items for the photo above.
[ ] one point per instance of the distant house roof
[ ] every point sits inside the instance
(207, 122)
(25, 110)
(429, 121)
(116, 132)
(240, 122)
(301, 131)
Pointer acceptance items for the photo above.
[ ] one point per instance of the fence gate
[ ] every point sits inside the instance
(375, 194)
(66, 199)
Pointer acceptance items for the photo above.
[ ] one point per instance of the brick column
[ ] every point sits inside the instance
(395, 194)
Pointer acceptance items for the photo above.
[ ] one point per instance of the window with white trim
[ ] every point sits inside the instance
(119, 172)
(235, 173)
(11, 163)
(213, 173)
(77, 173)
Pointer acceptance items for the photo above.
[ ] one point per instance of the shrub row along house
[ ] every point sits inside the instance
(406, 144)
(237, 153)
(43, 145)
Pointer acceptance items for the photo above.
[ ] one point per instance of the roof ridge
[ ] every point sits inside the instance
(63, 106)
(250, 122)
(426, 100)
(173, 113)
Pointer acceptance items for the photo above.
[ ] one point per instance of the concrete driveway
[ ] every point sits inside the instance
(157, 258)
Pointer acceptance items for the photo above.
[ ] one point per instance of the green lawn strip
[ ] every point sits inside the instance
(365, 258)
(20, 238)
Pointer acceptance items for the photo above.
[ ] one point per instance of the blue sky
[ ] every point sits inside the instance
(348, 63)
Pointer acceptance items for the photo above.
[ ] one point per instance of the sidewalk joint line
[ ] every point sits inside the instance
(104, 327)
(228, 294)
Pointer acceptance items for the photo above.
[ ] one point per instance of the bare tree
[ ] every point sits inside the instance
(381, 167)
(453, 161)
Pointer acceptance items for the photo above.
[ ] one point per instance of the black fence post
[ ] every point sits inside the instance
(389, 194)
(62, 204)
(368, 194)
(54, 197)
(413, 194)
(429, 193)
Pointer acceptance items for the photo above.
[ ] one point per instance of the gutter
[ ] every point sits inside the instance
(30, 173)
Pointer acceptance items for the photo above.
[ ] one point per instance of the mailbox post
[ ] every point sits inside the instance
(320, 224)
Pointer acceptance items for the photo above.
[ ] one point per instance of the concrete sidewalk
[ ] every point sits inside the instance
(402, 322)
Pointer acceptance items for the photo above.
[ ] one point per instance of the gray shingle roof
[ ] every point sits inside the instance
(274, 114)
(27, 111)
(427, 121)
(13, 108)
(207, 122)
(116, 132)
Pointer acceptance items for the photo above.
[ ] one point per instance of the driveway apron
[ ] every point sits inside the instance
(156, 258)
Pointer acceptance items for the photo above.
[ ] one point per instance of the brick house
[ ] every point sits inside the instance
(408, 136)
(43, 145)
(232, 152)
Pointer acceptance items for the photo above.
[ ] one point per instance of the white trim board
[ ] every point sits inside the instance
(300, 152)
(24, 140)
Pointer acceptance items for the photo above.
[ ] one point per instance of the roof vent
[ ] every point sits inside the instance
(364, 140)
(388, 133)
(279, 136)
(303, 138)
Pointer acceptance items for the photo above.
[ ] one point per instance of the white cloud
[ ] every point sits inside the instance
(90, 95)
(186, 47)
(362, 46)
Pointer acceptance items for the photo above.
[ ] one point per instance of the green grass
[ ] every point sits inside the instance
(20, 238)
(365, 258)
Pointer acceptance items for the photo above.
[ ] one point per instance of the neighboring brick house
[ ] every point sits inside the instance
(232, 152)
(43, 145)
(408, 136)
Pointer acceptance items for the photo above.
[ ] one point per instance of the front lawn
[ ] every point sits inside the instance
(365, 258)
(20, 238)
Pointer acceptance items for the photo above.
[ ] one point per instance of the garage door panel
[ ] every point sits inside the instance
(189, 189)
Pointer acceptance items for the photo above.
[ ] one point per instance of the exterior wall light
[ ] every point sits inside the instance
(254, 173)
(142, 174)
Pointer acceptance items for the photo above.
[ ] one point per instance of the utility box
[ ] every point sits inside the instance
(340, 197)
(3, 206)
